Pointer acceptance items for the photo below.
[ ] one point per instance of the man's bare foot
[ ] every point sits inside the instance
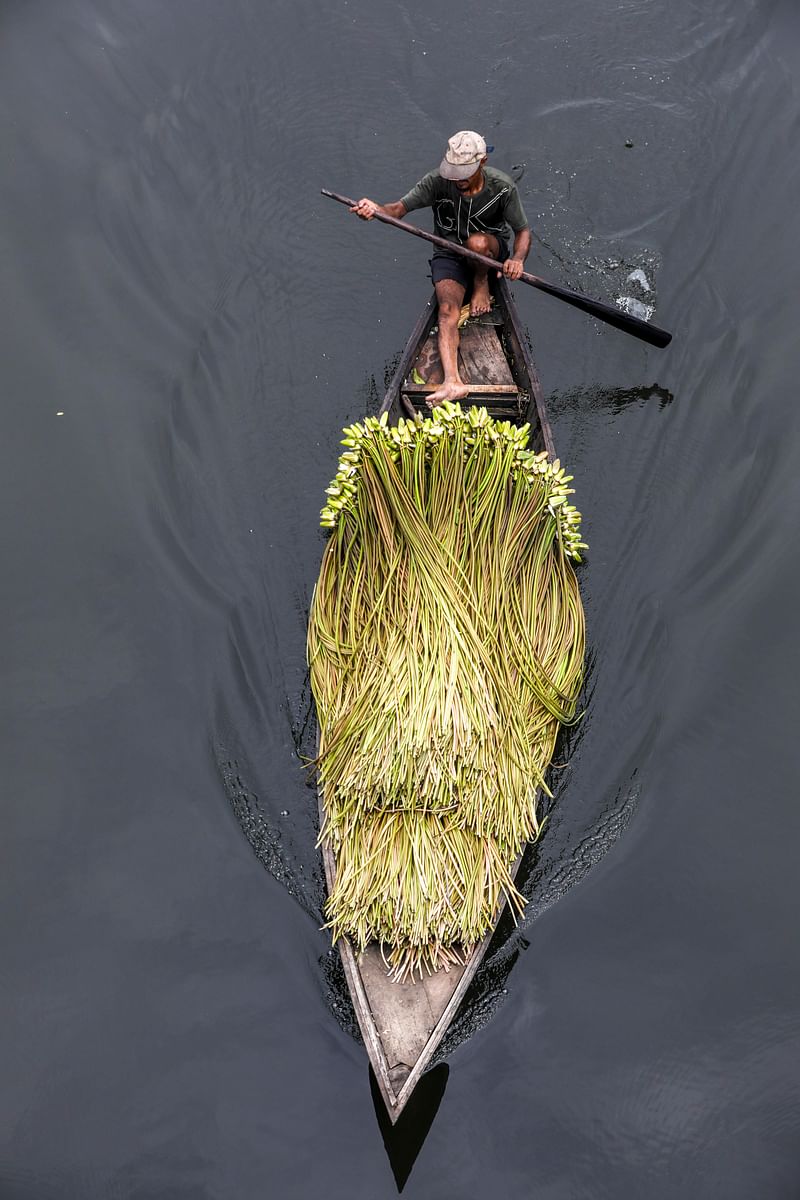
(454, 390)
(481, 300)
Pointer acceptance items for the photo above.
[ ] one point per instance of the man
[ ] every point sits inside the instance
(474, 206)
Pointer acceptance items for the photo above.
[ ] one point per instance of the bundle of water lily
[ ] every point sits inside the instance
(446, 648)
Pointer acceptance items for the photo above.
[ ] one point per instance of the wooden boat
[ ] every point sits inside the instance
(403, 1023)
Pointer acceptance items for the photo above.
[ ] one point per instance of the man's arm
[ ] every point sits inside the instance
(422, 195)
(512, 267)
(366, 209)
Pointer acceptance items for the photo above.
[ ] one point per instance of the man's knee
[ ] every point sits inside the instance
(449, 311)
(483, 243)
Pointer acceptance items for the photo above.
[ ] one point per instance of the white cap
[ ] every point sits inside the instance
(463, 155)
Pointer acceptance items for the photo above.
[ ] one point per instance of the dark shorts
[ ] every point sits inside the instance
(445, 265)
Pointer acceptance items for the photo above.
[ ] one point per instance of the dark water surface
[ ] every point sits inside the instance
(172, 1022)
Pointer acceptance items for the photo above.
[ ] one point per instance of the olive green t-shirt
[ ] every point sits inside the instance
(492, 210)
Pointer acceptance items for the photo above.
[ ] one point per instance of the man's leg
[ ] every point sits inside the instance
(483, 243)
(449, 297)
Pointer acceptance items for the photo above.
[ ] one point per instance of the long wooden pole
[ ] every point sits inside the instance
(603, 312)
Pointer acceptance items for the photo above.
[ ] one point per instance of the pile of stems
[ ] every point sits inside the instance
(446, 646)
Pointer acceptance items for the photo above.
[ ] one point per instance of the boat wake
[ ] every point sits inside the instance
(562, 858)
(548, 872)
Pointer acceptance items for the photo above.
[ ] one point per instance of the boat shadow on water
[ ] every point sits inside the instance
(404, 1139)
(580, 402)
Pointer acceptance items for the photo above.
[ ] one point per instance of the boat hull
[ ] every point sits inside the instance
(403, 1023)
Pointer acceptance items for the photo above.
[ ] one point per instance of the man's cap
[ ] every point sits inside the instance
(464, 152)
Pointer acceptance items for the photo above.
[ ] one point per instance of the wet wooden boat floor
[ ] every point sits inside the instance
(481, 362)
(405, 1014)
